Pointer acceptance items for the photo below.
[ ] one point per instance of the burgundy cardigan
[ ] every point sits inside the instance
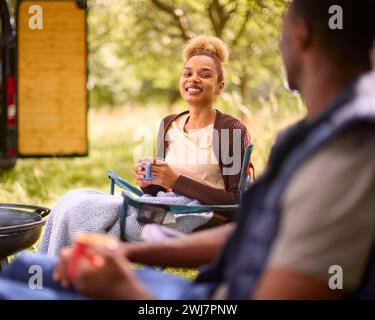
(196, 190)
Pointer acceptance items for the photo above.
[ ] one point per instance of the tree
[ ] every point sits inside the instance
(136, 45)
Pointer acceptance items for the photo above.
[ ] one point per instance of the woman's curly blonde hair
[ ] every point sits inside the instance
(207, 46)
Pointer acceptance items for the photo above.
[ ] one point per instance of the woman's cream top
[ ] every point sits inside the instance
(191, 153)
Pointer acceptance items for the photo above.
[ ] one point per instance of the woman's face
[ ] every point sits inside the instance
(199, 81)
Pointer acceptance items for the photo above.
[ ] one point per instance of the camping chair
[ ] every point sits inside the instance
(133, 196)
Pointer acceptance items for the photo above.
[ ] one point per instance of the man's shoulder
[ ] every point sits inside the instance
(327, 209)
(355, 139)
(346, 159)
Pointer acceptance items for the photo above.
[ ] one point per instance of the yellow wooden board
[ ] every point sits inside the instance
(52, 104)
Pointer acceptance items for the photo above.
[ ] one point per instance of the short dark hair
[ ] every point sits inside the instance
(355, 40)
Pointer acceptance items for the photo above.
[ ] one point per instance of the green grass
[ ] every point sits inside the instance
(112, 145)
(42, 181)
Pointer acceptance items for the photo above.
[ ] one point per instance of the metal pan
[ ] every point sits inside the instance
(20, 227)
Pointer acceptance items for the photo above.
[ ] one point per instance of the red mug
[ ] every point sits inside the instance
(84, 247)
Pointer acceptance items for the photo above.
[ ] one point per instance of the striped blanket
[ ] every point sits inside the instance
(90, 210)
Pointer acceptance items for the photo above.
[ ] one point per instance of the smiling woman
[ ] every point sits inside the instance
(191, 142)
(199, 154)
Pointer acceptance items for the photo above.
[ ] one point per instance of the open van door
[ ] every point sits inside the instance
(8, 124)
(51, 78)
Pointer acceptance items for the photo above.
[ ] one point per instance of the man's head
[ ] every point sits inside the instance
(307, 28)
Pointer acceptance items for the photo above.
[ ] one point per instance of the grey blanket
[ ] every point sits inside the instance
(90, 210)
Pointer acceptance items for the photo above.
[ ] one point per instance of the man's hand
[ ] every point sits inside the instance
(106, 274)
(61, 271)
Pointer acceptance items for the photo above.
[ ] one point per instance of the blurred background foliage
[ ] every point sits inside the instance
(134, 65)
(136, 45)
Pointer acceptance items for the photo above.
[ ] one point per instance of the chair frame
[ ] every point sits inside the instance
(133, 196)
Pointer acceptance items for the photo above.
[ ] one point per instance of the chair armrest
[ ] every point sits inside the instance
(116, 180)
(132, 199)
(180, 209)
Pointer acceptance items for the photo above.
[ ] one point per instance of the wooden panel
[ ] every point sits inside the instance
(52, 107)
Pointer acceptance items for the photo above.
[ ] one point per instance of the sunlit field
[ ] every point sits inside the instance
(116, 136)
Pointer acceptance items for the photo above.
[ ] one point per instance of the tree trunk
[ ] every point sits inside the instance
(245, 95)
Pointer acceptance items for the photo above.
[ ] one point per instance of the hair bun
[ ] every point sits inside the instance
(210, 44)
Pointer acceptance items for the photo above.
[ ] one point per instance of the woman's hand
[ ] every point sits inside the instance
(164, 175)
(140, 172)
